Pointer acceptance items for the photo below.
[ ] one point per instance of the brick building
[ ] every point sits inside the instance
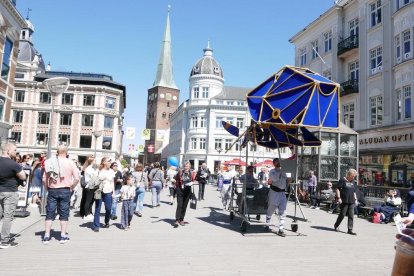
(163, 98)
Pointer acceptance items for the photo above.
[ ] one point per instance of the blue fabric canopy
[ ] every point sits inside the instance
(296, 97)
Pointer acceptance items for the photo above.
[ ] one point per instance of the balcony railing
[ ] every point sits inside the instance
(349, 87)
(347, 44)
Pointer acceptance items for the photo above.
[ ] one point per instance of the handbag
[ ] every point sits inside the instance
(193, 199)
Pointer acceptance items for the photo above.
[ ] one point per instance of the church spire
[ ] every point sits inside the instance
(165, 76)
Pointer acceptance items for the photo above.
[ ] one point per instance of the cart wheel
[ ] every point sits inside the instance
(257, 217)
(231, 215)
(294, 227)
(243, 226)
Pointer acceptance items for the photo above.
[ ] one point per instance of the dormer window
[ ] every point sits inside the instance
(196, 69)
(216, 70)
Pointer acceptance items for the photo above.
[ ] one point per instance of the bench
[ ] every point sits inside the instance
(371, 202)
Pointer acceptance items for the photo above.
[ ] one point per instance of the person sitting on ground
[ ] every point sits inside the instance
(325, 195)
(392, 204)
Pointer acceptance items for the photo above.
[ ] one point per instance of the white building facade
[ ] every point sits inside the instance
(196, 132)
(87, 118)
(367, 47)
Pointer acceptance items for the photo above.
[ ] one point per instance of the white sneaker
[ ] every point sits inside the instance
(317, 208)
(89, 217)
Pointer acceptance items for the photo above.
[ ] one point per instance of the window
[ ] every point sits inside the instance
(64, 139)
(240, 123)
(202, 143)
(315, 49)
(107, 143)
(218, 122)
(376, 110)
(5, 68)
(219, 102)
(193, 143)
(404, 103)
(397, 41)
(194, 122)
(196, 93)
(328, 41)
(19, 96)
(41, 138)
(169, 115)
(16, 136)
(67, 99)
(2, 104)
(302, 54)
(43, 118)
(45, 98)
(110, 102)
(85, 142)
(168, 104)
(353, 27)
(375, 60)
(227, 144)
(203, 122)
(237, 146)
(108, 122)
(205, 92)
(348, 114)
(406, 40)
(17, 116)
(230, 103)
(164, 115)
(218, 144)
(239, 103)
(353, 70)
(87, 120)
(89, 100)
(65, 119)
(375, 9)
(253, 147)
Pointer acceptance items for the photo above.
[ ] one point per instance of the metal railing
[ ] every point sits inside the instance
(349, 87)
(348, 44)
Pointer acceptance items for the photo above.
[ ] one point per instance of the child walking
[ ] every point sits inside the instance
(127, 195)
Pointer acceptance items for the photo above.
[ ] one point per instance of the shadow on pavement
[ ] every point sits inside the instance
(223, 220)
(324, 228)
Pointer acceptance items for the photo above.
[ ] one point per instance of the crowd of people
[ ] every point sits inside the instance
(85, 188)
(68, 184)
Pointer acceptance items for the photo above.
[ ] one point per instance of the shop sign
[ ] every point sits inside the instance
(390, 138)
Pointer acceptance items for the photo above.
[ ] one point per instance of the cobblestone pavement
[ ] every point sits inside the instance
(209, 244)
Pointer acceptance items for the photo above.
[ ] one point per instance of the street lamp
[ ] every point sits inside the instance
(97, 134)
(55, 86)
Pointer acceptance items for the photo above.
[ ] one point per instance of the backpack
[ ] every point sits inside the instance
(376, 217)
(94, 182)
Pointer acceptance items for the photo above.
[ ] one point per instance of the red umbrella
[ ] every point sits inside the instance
(235, 162)
(265, 163)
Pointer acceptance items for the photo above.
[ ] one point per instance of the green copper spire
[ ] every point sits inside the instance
(165, 76)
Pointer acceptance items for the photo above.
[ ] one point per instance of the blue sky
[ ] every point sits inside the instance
(123, 39)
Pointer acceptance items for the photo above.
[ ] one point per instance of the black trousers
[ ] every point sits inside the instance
(315, 200)
(201, 188)
(346, 209)
(86, 202)
(183, 197)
